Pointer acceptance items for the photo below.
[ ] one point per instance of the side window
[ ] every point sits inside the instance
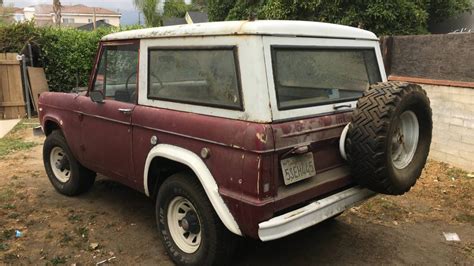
(116, 74)
(198, 76)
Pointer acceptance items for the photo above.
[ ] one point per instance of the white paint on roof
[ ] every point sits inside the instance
(261, 27)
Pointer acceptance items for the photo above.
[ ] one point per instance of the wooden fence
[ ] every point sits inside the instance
(12, 103)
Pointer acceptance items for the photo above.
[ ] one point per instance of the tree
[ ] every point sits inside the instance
(381, 17)
(57, 12)
(199, 5)
(175, 8)
(439, 10)
(219, 9)
(150, 12)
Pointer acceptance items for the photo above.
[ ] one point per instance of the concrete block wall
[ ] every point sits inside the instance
(453, 125)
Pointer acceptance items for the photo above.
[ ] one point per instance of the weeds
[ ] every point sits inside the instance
(9, 206)
(456, 173)
(7, 234)
(74, 218)
(83, 232)
(465, 218)
(4, 247)
(66, 238)
(58, 260)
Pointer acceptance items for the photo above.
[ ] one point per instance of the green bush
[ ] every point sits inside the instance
(14, 37)
(66, 54)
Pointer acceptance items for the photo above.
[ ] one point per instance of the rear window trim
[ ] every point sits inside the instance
(232, 48)
(274, 48)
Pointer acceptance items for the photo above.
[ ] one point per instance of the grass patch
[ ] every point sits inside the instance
(74, 218)
(83, 232)
(456, 173)
(58, 260)
(12, 142)
(4, 247)
(8, 234)
(10, 258)
(9, 206)
(66, 238)
(465, 218)
(6, 194)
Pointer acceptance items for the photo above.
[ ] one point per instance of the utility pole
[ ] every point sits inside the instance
(57, 12)
(94, 19)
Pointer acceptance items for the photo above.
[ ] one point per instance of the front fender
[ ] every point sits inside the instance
(199, 168)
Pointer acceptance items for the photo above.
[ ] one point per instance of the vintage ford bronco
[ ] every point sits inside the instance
(253, 128)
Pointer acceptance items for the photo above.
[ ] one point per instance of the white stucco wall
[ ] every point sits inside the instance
(115, 21)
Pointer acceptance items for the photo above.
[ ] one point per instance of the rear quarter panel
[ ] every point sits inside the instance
(240, 158)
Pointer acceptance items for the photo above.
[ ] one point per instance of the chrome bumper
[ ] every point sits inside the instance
(311, 214)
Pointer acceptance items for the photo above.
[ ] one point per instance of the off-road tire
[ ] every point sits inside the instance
(217, 243)
(81, 179)
(369, 139)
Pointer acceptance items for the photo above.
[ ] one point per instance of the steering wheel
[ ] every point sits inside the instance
(128, 80)
(134, 74)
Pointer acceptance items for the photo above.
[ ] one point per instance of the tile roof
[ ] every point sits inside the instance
(174, 21)
(198, 17)
(74, 9)
(17, 10)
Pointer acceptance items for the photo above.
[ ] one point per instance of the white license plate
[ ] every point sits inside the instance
(298, 168)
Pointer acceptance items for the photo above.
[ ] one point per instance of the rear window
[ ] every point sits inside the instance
(307, 77)
(207, 76)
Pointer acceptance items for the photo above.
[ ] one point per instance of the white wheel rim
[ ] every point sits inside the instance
(60, 164)
(405, 140)
(178, 210)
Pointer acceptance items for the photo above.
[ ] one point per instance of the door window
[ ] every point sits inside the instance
(117, 72)
(206, 76)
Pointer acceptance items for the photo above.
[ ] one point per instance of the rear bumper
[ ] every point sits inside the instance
(311, 214)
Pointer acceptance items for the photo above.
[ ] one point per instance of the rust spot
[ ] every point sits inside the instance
(262, 137)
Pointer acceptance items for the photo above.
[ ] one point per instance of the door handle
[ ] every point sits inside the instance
(125, 111)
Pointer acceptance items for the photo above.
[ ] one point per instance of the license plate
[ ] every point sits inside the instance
(298, 168)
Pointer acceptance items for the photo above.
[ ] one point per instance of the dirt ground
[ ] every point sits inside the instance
(113, 221)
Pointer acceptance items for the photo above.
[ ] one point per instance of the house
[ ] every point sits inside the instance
(191, 17)
(98, 24)
(18, 15)
(196, 17)
(12, 14)
(71, 15)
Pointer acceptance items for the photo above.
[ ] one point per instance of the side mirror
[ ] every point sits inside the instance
(97, 96)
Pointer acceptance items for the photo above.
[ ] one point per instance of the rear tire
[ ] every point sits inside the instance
(191, 231)
(389, 137)
(65, 173)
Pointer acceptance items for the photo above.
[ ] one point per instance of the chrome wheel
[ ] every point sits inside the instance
(60, 164)
(184, 224)
(405, 140)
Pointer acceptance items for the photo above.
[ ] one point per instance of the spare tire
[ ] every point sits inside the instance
(389, 137)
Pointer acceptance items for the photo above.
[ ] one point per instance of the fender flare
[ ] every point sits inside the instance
(52, 119)
(208, 182)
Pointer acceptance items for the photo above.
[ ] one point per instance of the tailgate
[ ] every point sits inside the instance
(296, 142)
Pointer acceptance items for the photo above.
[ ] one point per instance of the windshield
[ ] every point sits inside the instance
(307, 77)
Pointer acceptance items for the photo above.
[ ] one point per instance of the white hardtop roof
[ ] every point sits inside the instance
(259, 27)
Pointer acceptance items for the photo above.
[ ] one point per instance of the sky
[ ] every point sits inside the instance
(129, 12)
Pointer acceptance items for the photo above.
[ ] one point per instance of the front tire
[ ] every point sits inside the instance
(189, 228)
(65, 173)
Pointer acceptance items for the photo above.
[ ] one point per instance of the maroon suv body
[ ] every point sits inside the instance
(238, 105)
